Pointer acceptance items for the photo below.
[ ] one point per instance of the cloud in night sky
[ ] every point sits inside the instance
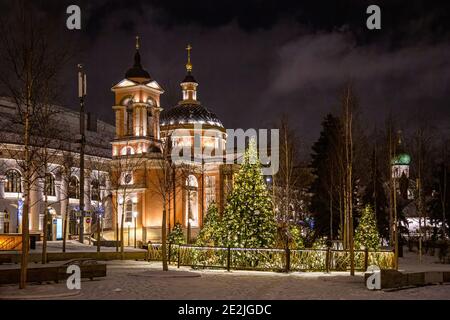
(257, 59)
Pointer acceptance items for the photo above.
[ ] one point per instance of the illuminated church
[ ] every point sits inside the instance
(144, 130)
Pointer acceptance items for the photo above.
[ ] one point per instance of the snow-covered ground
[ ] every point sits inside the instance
(130, 280)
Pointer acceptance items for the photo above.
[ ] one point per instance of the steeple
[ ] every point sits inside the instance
(137, 73)
(189, 84)
(189, 64)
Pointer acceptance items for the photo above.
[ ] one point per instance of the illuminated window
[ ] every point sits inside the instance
(95, 190)
(74, 188)
(127, 151)
(129, 211)
(192, 201)
(13, 181)
(50, 189)
(127, 178)
(129, 121)
(210, 190)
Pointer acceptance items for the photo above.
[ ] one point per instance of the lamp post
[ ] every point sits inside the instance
(82, 141)
(135, 223)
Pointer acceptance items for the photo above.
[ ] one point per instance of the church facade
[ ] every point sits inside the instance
(164, 159)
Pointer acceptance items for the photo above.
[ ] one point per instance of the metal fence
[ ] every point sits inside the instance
(265, 259)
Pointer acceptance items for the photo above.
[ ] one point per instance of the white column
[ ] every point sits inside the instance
(2, 187)
(63, 196)
(2, 217)
(87, 192)
(35, 203)
(144, 121)
(137, 118)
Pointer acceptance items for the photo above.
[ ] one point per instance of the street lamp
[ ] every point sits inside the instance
(135, 222)
(189, 231)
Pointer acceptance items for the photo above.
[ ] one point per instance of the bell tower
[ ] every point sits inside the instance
(137, 109)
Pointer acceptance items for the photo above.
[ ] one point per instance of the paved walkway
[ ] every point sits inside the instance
(143, 280)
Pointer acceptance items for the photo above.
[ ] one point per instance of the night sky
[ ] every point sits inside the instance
(255, 60)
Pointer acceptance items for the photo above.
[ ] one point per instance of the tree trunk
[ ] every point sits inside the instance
(164, 239)
(64, 232)
(122, 236)
(44, 242)
(98, 232)
(45, 222)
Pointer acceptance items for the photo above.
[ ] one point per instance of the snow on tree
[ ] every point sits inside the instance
(248, 220)
(366, 235)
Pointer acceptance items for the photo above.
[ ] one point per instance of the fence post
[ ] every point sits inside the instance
(366, 258)
(288, 259)
(170, 252)
(328, 260)
(228, 258)
(179, 250)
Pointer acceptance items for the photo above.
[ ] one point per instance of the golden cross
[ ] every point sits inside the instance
(189, 65)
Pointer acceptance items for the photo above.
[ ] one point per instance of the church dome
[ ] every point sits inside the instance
(402, 159)
(136, 71)
(189, 113)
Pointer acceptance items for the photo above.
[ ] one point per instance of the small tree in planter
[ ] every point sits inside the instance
(176, 236)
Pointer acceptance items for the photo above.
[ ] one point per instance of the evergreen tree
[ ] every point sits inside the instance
(176, 236)
(325, 188)
(248, 219)
(366, 234)
(211, 230)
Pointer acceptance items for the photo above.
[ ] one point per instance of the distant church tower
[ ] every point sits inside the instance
(137, 109)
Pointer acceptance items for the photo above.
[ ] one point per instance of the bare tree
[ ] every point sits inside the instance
(30, 64)
(348, 106)
(126, 171)
(285, 186)
(163, 186)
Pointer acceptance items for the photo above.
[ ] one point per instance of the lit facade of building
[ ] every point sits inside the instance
(144, 133)
(62, 176)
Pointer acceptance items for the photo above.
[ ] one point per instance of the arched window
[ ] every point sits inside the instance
(74, 188)
(192, 201)
(127, 151)
(128, 211)
(13, 181)
(129, 121)
(95, 190)
(50, 189)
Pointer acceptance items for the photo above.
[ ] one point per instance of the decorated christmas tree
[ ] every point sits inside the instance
(366, 235)
(176, 236)
(248, 220)
(211, 230)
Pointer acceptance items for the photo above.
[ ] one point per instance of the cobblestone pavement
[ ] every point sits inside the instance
(124, 282)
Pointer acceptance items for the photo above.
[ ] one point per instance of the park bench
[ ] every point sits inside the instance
(90, 269)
